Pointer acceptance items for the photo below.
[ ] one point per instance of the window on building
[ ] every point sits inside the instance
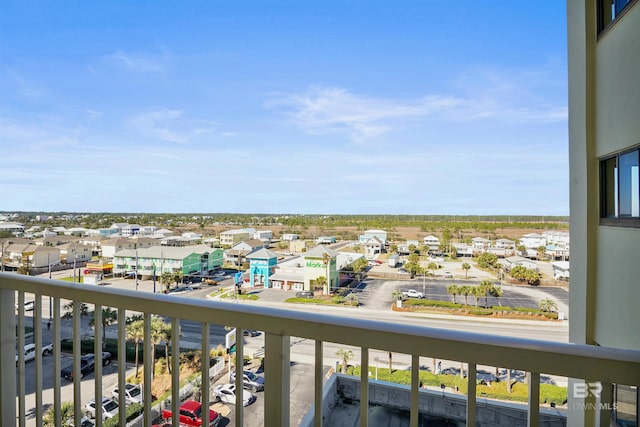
(620, 189)
(610, 10)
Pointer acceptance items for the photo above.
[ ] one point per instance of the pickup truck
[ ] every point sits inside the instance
(87, 363)
(412, 294)
(30, 352)
(190, 414)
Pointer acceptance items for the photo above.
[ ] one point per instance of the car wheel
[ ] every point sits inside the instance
(254, 389)
(106, 362)
(45, 352)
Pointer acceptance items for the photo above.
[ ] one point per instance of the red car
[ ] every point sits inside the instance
(190, 414)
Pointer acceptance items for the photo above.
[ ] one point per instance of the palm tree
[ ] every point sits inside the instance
(345, 355)
(135, 333)
(84, 310)
(542, 251)
(178, 276)
(476, 293)
(466, 291)
(396, 295)
(166, 278)
(166, 335)
(548, 305)
(497, 292)
(486, 288)
(66, 415)
(466, 267)
(321, 282)
(157, 331)
(453, 290)
(109, 317)
(433, 267)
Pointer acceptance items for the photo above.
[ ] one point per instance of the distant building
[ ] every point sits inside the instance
(231, 237)
(381, 235)
(290, 236)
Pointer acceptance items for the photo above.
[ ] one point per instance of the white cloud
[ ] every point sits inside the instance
(505, 96)
(171, 125)
(93, 115)
(137, 62)
(336, 110)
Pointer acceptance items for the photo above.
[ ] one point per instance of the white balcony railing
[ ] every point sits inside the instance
(590, 363)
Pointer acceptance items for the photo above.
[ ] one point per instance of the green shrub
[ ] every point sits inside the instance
(133, 410)
(496, 390)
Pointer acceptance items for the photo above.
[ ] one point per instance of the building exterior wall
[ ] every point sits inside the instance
(314, 268)
(260, 270)
(604, 100)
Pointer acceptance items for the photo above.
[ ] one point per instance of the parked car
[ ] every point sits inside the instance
(87, 363)
(132, 393)
(220, 273)
(28, 306)
(109, 408)
(411, 293)
(250, 333)
(250, 381)
(226, 393)
(304, 294)
(191, 414)
(448, 275)
(210, 282)
(30, 352)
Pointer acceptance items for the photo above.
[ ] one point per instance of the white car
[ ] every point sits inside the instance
(28, 306)
(109, 408)
(30, 351)
(132, 393)
(227, 393)
(448, 275)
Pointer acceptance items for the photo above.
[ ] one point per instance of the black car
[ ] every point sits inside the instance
(87, 363)
(250, 333)
(304, 294)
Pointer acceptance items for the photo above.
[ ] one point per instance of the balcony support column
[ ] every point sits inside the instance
(57, 364)
(239, 378)
(415, 390)
(7, 357)
(206, 362)
(606, 401)
(533, 417)
(471, 394)
(147, 357)
(277, 380)
(77, 372)
(318, 383)
(122, 362)
(22, 411)
(364, 387)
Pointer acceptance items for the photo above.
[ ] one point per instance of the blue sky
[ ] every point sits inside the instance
(345, 107)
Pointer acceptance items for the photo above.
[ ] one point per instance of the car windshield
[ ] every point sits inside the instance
(134, 391)
(197, 412)
(251, 376)
(110, 406)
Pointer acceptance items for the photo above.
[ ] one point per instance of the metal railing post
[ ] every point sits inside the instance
(533, 415)
(364, 387)
(277, 380)
(318, 384)
(415, 390)
(7, 357)
(471, 394)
